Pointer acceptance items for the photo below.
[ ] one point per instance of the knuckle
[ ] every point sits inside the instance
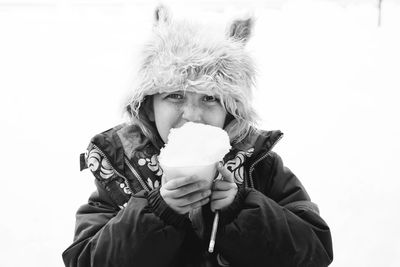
(191, 198)
(162, 192)
(182, 211)
(191, 178)
(205, 182)
(193, 205)
(184, 190)
(165, 194)
(171, 184)
(198, 185)
(214, 186)
(204, 201)
(206, 193)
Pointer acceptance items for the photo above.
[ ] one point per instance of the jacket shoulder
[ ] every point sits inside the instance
(248, 153)
(114, 143)
(106, 158)
(260, 140)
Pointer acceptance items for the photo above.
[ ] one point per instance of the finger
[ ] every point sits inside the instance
(179, 210)
(217, 195)
(223, 185)
(195, 205)
(187, 200)
(219, 204)
(226, 174)
(189, 189)
(179, 182)
(192, 198)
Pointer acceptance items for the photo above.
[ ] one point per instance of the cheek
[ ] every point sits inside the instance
(165, 116)
(216, 116)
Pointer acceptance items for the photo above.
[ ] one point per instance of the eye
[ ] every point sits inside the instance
(210, 98)
(175, 96)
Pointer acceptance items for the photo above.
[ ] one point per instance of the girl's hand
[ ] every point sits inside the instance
(223, 190)
(185, 193)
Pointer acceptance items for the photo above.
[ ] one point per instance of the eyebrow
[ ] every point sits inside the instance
(173, 92)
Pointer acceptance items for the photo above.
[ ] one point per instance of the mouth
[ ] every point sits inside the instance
(179, 124)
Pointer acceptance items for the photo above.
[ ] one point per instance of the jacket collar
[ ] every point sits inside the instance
(260, 140)
(117, 142)
(125, 140)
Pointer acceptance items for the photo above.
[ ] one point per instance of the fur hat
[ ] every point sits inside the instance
(182, 55)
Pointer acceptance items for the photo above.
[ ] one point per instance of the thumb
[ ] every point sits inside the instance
(226, 174)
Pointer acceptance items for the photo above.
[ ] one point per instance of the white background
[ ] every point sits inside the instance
(328, 77)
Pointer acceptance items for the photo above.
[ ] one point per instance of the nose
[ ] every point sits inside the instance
(191, 112)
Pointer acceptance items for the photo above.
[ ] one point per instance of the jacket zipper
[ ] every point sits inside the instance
(142, 183)
(260, 159)
(118, 173)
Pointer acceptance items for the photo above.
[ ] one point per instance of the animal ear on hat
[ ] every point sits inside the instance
(240, 30)
(161, 15)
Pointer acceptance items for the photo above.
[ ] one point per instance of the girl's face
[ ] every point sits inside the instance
(172, 110)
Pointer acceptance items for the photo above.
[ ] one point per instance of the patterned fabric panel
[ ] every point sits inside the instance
(115, 183)
(235, 162)
(148, 165)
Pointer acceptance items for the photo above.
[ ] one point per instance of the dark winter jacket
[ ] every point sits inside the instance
(271, 222)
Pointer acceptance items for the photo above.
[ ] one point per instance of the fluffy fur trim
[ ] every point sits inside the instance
(184, 56)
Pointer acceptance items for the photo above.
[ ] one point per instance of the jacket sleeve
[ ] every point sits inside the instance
(278, 227)
(137, 234)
